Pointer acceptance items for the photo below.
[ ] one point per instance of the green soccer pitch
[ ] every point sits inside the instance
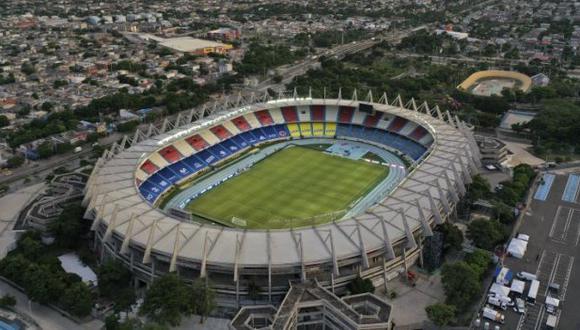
(294, 187)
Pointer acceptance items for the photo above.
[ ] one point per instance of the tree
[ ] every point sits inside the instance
(479, 260)
(114, 283)
(461, 284)
(4, 121)
(77, 299)
(69, 227)
(479, 188)
(7, 300)
(167, 299)
(254, 290)
(486, 234)
(15, 161)
(440, 314)
(41, 284)
(203, 298)
(31, 249)
(45, 150)
(452, 236)
(360, 285)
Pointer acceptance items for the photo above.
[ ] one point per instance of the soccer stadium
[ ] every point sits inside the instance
(265, 192)
(493, 82)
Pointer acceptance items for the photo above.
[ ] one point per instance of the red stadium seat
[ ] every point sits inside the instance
(241, 123)
(418, 133)
(397, 124)
(290, 114)
(373, 120)
(221, 132)
(148, 167)
(170, 154)
(197, 142)
(345, 114)
(317, 113)
(264, 117)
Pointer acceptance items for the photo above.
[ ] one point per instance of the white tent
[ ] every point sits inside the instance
(517, 248)
(499, 290)
(518, 286)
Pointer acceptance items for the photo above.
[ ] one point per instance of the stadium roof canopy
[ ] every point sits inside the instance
(430, 187)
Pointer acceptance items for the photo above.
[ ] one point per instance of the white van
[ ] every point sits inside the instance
(492, 300)
(526, 276)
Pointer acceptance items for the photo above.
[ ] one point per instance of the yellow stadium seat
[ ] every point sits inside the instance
(306, 129)
(330, 129)
(294, 130)
(318, 129)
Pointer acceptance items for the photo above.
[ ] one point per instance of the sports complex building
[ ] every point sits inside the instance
(283, 165)
(493, 82)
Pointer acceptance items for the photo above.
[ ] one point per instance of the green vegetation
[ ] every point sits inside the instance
(204, 298)
(452, 237)
(288, 188)
(169, 298)
(35, 267)
(440, 314)
(359, 285)
(115, 284)
(57, 122)
(462, 281)
(7, 300)
(261, 58)
(555, 129)
(486, 234)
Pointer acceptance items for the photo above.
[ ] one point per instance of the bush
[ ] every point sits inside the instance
(461, 283)
(359, 285)
(486, 234)
(440, 314)
(7, 300)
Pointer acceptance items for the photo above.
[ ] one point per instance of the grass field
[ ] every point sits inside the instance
(288, 189)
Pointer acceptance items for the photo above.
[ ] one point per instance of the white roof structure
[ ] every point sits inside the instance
(518, 286)
(517, 248)
(499, 290)
(188, 44)
(439, 178)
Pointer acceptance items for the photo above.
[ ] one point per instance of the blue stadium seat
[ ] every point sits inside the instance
(282, 131)
(182, 169)
(260, 135)
(195, 162)
(271, 132)
(167, 174)
(207, 157)
(239, 140)
(249, 137)
(230, 146)
(218, 151)
(159, 181)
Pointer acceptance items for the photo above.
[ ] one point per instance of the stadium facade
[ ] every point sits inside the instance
(379, 243)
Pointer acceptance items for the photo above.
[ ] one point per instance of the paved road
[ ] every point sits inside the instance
(44, 316)
(553, 255)
(54, 161)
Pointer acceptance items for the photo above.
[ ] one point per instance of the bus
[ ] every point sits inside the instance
(533, 292)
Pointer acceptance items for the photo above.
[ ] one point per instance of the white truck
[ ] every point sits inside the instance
(497, 302)
(551, 322)
(491, 314)
(552, 304)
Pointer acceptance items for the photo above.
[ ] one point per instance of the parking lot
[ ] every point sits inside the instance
(553, 224)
